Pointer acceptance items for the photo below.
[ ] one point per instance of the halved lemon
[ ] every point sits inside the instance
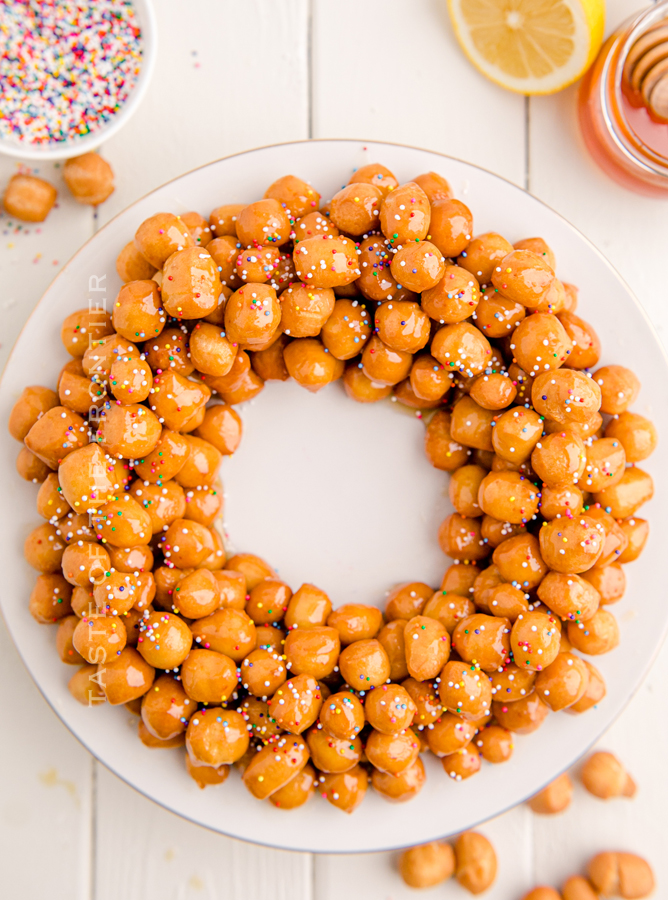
(530, 46)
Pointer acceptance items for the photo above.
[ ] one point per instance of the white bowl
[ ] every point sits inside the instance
(78, 146)
(297, 499)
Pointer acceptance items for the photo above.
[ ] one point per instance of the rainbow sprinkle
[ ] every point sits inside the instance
(66, 66)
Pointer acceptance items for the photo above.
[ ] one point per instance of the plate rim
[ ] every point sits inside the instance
(363, 143)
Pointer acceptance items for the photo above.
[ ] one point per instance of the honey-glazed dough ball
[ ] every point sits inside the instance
(635, 433)
(427, 647)
(418, 266)
(407, 600)
(392, 753)
(385, 366)
(208, 676)
(451, 226)
(570, 545)
(311, 365)
(483, 254)
(130, 381)
(50, 598)
(402, 325)
(347, 328)
(560, 501)
(178, 402)
(516, 433)
(471, 425)
(538, 246)
(376, 174)
(342, 715)
(225, 252)
(569, 596)
(101, 354)
(51, 504)
(332, 754)
(311, 225)
(495, 744)
(252, 315)
(435, 186)
(54, 435)
(495, 531)
(198, 227)
(326, 262)
(294, 194)
(187, 543)
(165, 640)
(345, 791)
(81, 329)
(599, 634)
(297, 791)
(389, 709)
(130, 431)
(166, 708)
(460, 538)
(190, 284)
(364, 664)
(123, 522)
(463, 490)
(508, 497)
(429, 378)
(637, 532)
(262, 672)
(560, 458)
(137, 312)
(521, 716)
(525, 277)
(210, 350)
(461, 348)
(563, 682)
(619, 388)
(169, 351)
(465, 690)
(257, 265)
(605, 465)
(608, 581)
(535, 639)
(229, 631)
(540, 343)
(132, 266)
(33, 403)
(275, 765)
(443, 452)
(161, 235)
(252, 567)
(216, 737)
(497, 316)
(308, 606)
(43, 549)
(165, 460)
(355, 208)
(586, 349)
(29, 198)
(483, 641)
(462, 763)
(263, 222)
(428, 864)
(312, 651)
(223, 219)
(126, 676)
(476, 862)
(296, 704)
(449, 608)
(304, 310)
(493, 391)
(449, 734)
(567, 396)
(402, 787)
(89, 178)
(512, 683)
(454, 298)
(623, 499)
(405, 214)
(269, 363)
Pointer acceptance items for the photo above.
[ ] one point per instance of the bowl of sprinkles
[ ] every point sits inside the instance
(72, 72)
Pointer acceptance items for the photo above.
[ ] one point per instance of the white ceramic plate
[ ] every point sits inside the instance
(340, 494)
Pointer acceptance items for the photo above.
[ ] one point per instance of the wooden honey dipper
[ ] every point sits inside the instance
(646, 71)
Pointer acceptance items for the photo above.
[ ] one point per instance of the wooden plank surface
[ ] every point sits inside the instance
(232, 76)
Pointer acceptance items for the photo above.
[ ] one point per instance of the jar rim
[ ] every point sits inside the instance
(626, 138)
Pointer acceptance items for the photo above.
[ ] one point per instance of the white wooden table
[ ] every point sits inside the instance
(233, 75)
